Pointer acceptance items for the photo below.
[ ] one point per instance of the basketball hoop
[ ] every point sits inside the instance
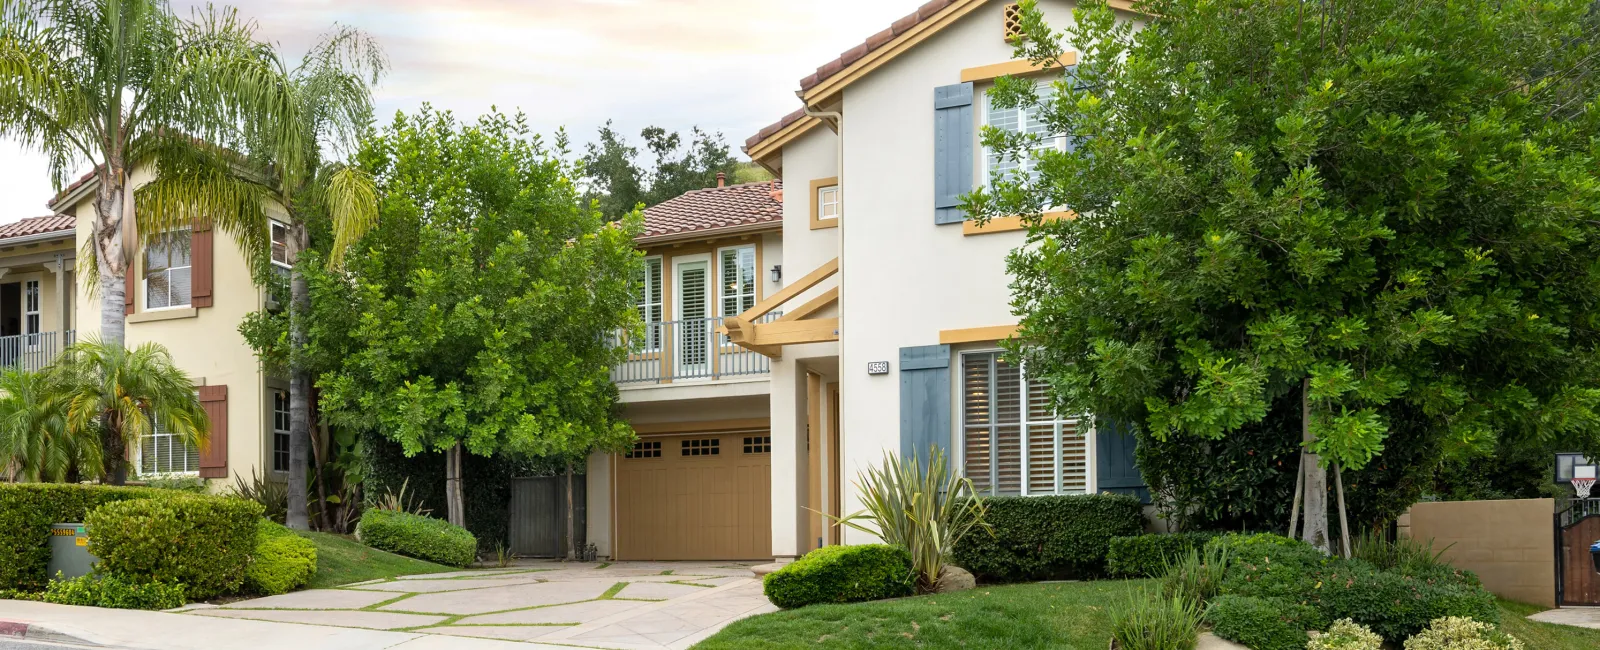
(1583, 478)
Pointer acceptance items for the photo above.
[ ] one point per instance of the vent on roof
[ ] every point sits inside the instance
(1013, 22)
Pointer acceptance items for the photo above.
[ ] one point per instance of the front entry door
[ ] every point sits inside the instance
(694, 314)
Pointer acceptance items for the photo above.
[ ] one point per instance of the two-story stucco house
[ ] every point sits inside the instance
(877, 316)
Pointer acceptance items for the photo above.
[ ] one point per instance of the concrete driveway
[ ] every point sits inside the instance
(623, 605)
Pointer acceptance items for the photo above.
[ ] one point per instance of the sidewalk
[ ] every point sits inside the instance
(138, 630)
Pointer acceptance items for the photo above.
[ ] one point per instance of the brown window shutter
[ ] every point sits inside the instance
(128, 283)
(200, 248)
(214, 454)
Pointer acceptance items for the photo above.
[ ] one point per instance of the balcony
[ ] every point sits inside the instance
(687, 350)
(33, 351)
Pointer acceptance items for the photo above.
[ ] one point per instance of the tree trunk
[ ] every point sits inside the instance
(1316, 478)
(572, 539)
(116, 451)
(1344, 519)
(299, 396)
(455, 504)
(319, 473)
(110, 255)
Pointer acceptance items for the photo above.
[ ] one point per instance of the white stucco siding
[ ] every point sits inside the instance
(906, 279)
(810, 157)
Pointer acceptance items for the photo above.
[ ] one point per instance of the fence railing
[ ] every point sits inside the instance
(687, 349)
(33, 351)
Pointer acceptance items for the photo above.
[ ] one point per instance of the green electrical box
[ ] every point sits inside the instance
(69, 551)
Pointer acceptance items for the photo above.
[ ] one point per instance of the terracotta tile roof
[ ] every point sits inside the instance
(874, 42)
(70, 188)
(850, 56)
(37, 226)
(715, 208)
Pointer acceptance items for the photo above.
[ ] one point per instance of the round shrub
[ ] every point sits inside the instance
(114, 592)
(203, 543)
(1146, 556)
(282, 562)
(424, 538)
(1395, 606)
(1261, 623)
(842, 574)
(1049, 537)
(1345, 635)
(1456, 633)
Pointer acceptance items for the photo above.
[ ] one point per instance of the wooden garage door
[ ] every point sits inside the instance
(696, 497)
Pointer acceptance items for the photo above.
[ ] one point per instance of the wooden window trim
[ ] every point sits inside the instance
(970, 228)
(817, 222)
(1015, 68)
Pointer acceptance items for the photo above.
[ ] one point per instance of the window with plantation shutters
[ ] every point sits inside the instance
(738, 280)
(649, 301)
(163, 452)
(1013, 442)
(1024, 119)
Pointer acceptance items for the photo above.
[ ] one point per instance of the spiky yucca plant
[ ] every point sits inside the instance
(927, 510)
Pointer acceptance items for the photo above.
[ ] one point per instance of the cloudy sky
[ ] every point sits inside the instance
(725, 65)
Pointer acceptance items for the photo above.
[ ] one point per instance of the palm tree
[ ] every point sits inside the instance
(105, 82)
(122, 394)
(331, 92)
(34, 437)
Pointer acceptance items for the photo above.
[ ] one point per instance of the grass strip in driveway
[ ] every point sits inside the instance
(1544, 636)
(342, 560)
(1068, 615)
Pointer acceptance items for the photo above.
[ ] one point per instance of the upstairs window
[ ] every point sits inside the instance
(167, 271)
(280, 245)
(738, 280)
(1019, 120)
(828, 202)
(649, 301)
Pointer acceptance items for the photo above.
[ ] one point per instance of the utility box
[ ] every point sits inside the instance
(69, 551)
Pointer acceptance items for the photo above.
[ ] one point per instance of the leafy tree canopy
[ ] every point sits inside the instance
(1393, 199)
(614, 177)
(476, 311)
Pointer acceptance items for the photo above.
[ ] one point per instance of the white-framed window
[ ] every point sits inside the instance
(738, 279)
(280, 431)
(828, 202)
(1018, 120)
(162, 452)
(167, 271)
(650, 303)
(1012, 440)
(31, 322)
(280, 245)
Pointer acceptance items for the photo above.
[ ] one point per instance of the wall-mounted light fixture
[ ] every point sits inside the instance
(777, 273)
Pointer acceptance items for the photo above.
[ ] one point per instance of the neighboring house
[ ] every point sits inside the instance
(189, 293)
(892, 310)
(36, 299)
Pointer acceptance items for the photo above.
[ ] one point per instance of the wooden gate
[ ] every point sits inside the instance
(1577, 582)
(539, 515)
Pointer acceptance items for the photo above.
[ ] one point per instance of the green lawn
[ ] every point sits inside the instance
(1045, 615)
(342, 560)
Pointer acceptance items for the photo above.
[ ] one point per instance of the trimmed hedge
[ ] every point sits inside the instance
(1044, 538)
(842, 574)
(1393, 605)
(1146, 556)
(424, 538)
(111, 591)
(202, 543)
(1262, 623)
(282, 562)
(26, 512)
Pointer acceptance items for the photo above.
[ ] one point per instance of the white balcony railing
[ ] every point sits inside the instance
(686, 350)
(33, 351)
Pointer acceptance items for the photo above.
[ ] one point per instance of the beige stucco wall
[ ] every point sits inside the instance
(36, 261)
(1509, 544)
(905, 278)
(204, 342)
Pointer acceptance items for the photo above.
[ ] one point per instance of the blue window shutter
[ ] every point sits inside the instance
(953, 142)
(924, 400)
(1114, 466)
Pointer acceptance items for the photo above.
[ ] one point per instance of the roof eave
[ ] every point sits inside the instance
(39, 237)
(711, 233)
(73, 195)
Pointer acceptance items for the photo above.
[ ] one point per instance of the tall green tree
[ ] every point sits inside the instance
(103, 82)
(290, 166)
(121, 395)
(1372, 207)
(615, 177)
(476, 317)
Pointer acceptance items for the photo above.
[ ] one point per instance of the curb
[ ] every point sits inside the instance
(31, 632)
